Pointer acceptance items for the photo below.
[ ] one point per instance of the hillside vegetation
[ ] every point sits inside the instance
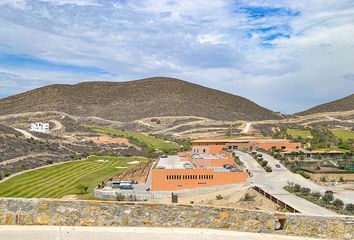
(343, 104)
(127, 101)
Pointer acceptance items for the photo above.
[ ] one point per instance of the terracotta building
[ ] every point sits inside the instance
(220, 145)
(188, 170)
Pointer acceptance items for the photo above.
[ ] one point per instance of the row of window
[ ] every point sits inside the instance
(178, 177)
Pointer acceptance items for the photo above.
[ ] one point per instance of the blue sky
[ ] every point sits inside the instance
(285, 55)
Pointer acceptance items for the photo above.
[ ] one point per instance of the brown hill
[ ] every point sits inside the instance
(126, 101)
(340, 105)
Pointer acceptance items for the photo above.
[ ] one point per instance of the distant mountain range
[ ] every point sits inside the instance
(133, 100)
(340, 105)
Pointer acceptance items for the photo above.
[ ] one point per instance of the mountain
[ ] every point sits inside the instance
(127, 101)
(340, 105)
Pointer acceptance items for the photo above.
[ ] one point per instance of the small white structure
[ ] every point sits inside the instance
(39, 127)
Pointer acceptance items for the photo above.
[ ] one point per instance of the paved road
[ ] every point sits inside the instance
(128, 233)
(247, 128)
(274, 182)
(345, 196)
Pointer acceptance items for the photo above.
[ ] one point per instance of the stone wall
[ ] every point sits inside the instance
(108, 213)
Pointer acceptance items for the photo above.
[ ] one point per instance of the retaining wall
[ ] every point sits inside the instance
(111, 194)
(108, 213)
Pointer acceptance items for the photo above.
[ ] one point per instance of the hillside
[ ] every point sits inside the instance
(340, 105)
(127, 101)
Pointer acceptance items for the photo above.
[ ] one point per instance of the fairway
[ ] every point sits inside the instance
(299, 133)
(150, 141)
(343, 134)
(64, 179)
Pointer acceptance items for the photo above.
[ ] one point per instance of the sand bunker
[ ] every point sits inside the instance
(120, 167)
(133, 162)
(102, 161)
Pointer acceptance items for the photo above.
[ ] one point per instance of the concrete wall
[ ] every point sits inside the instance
(100, 213)
(110, 194)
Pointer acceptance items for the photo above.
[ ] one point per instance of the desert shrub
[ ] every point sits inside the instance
(349, 208)
(297, 187)
(338, 204)
(6, 173)
(268, 169)
(327, 197)
(219, 197)
(49, 161)
(264, 163)
(323, 179)
(305, 175)
(120, 197)
(316, 195)
(248, 197)
(305, 190)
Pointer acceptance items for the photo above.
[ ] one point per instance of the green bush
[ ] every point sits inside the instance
(350, 208)
(327, 197)
(316, 195)
(305, 175)
(338, 204)
(268, 168)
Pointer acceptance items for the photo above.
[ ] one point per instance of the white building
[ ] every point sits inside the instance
(40, 127)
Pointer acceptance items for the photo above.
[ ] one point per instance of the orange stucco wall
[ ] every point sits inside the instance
(279, 145)
(210, 148)
(217, 147)
(178, 179)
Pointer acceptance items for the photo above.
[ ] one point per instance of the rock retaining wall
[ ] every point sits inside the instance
(108, 213)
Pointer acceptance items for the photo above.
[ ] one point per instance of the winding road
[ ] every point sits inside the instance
(273, 183)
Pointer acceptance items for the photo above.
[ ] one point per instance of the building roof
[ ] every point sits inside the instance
(265, 140)
(222, 141)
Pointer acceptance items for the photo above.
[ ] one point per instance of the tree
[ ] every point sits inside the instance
(349, 207)
(83, 188)
(316, 195)
(305, 190)
(327, 197)
(338, 204)
(297, 187)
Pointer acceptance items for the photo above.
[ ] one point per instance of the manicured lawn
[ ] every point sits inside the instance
(343, 134)
(64, 179)
(150, 141)
(299, 133)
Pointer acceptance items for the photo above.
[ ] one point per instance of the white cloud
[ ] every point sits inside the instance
(208, 42)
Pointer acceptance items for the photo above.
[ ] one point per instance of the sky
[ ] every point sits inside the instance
(285, 55)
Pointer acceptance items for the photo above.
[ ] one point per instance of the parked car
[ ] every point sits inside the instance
(227, 166)
(187, 165)
(259, 155)
(126, 185)
(235, 170)
(161, 167)
(277, 165)
(164, 156)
